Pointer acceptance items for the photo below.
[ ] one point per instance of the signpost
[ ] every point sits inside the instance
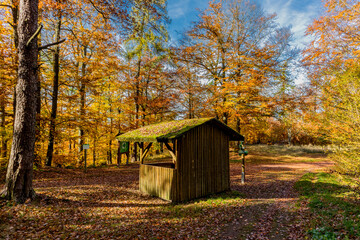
(242, 153)
(85, 147)
(123, 149)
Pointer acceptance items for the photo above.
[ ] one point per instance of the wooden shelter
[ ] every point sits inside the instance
(200, 158)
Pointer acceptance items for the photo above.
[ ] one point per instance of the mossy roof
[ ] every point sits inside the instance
(165, 131)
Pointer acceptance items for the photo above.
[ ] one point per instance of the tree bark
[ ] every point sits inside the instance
(111, 132)
(56, 70)
(3, 127)
(289, 136)
(137, 108)
(82, 102)
(18, 186)
(15, 20)
(237, 148)
(94, 151)
(37, 157)
(137, 95)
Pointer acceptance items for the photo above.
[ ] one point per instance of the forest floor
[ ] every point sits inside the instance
(105, 203)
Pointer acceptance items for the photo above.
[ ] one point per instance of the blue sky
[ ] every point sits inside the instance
(297, 13)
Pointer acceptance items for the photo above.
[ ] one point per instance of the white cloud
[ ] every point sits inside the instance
(299, 14)
(178, 9)
(289, 14)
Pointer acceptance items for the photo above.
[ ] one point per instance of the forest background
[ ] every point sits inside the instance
(115, 69)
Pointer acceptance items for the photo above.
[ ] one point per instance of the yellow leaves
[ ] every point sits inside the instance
(335, 34)
(240, 72)
(331, 56)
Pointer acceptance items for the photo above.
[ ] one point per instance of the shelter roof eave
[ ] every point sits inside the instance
(167, 131)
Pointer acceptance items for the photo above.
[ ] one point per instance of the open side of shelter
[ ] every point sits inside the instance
(199, 163)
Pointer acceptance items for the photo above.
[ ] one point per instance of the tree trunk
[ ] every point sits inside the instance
(94, 151)
(289, 136)
(190, 102)
(118, 155)
(18, 186)
(3, 149)
(15, 19)
(111, 132)
(137, 108)
(237, 148)
(134, 156)
(56, 70)
(82, 101)
(37, 157)
(137, 94)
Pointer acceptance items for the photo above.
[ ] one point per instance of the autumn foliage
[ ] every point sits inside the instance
(333, 62)
(116, 69)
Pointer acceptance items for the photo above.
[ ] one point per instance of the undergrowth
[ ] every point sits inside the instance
(334, 206)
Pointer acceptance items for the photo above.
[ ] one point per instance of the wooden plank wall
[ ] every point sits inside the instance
(203, 163)
(157, 181)
(202, 167)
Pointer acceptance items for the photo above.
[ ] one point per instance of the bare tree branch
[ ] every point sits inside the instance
(35, 35)
(12, 25)
(99, 10)
(5, 5)
(51, 44)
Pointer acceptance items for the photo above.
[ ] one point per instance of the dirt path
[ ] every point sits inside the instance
(105, 203)
(269, 212)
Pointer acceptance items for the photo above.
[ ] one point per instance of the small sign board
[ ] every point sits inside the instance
(86, 146)
(245, 152)
(124, 147)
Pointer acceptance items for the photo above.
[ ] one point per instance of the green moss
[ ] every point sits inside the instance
(162, 131)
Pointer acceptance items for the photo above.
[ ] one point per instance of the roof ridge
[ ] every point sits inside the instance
(162, 132)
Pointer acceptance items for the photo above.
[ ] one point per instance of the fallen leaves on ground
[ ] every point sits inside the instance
(105, 203)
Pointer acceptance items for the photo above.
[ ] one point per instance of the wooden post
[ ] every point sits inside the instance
(161, 147)
(144, 151)
(85, 159)
(141, 145)
(171, 151)
(243, 168)
(134, 152)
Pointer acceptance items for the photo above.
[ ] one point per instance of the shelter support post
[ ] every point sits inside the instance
(141, 146)
(134, 152)
(144, 151)
(171, 151)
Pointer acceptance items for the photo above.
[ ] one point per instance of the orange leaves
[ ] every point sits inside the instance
(333, 60)
(336, 40)
(238, 59)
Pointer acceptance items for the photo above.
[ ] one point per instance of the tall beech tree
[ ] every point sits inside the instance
(146, 42)
(18, 186)
(7, 71)
(55, 92)
(242, 54)
(12, 20)
(192, 91)
(333, 62)
(116, 73)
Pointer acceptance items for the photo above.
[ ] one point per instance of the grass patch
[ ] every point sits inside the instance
(334, 206)
(274, 154)
(200, 206)
(276, 150)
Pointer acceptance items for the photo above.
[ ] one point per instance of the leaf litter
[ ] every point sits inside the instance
(105, 203)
